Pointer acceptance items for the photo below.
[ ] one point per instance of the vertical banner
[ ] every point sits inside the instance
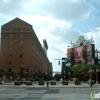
(69, 54)
(99, 58)
(69, 51)
(89, 53)
(78, 55)
(93, 60)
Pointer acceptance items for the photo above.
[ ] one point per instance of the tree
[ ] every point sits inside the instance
(57, 76)
(83, 67)
(19, 70)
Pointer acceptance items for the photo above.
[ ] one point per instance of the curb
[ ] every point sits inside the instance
(52, 86)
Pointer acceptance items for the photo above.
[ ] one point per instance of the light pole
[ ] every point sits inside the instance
(75, 71)
(90, 71)
(69, 75)
(64, 74)
(97, 70)
(27, 70)
(68, 65)
(63, 68)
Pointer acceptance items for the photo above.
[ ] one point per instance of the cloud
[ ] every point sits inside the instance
(48, 21)
(57, 32)
(66, 9)
(10, 7)
(96, 37)
(60, 9)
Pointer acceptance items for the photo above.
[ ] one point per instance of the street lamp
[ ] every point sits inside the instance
(75, 71)
(63, 68)
(97, 70)
(27, 70)
(64, 74)
(90, 71)
(68, 64)
(69, 75)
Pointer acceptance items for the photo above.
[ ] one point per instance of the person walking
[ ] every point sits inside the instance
(47, 84)
(61, 80)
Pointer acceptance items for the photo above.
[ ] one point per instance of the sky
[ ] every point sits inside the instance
(57, 21)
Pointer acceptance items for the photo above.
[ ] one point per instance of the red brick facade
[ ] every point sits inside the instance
(20, 46)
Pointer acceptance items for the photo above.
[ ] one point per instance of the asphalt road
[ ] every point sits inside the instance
(46, 93)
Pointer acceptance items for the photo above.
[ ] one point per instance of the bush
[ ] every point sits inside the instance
(77, 82)
(65, 82)
(17, 83)
(28, 83)
(41, 83)
(52, 83)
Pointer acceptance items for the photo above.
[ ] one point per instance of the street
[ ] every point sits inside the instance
(46, 93)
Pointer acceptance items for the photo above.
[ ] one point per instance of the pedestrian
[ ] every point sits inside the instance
(61, 80)
(47, 84)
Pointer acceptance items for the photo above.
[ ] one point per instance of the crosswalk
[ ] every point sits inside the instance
(67, 96)
(45, 94)
(2, 89)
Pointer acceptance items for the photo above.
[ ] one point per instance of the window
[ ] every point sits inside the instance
(21, 35)
(20, 62)
(10, 43)
(32, 63)
(21, 49)
(10, 49)
(21, 30)
(10, 56)
(11, 36)
(21, 56)
(11, 30)
(9, 70)
(3, 70)
(10, 63)
(98, 56)
(21, 43)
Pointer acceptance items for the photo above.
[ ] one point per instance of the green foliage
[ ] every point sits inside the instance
(57, 76)
(83, 67)
(19, 70)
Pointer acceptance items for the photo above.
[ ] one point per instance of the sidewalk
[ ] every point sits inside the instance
(58, 84)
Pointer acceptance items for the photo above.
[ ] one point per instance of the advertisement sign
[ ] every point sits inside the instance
(79, 55)
(69, 51)
(99, 58)
(89, 53)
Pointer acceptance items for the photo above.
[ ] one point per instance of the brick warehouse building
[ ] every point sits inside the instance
(20, 46)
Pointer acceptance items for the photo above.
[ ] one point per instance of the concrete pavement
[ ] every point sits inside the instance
(43, 93)
(54, 92)
(58, 84)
